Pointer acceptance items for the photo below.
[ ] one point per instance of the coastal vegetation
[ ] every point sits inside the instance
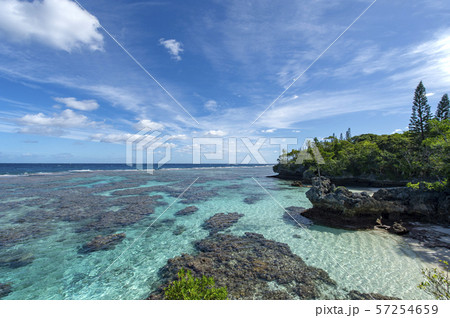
(420, 154)
(437, 282)
(191, 288)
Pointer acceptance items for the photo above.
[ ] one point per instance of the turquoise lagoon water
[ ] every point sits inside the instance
(368, 261)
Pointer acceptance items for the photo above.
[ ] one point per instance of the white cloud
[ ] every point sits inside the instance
(61, 24)
(173, 46)
(269, 131)
(211, 105)
(319, 104)
(179, 137)
(114, 138)
(66, 119)
(406, 66)
(429, 94)
(397, 131)
(72, 102)
(215, 133)
(41, 130)
(170, 145)
(148, 124)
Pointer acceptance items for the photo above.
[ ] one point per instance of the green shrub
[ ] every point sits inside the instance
(437, 281)
(190, 288)
(433, 186)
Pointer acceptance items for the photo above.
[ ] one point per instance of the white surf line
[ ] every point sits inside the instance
(143, 232)
(307, 231)
(142, 67)
(298, 77)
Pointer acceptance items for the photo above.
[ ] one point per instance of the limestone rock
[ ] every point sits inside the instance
(5, 290)
(187, 210)
(340, 206)
(251, 267)
(221, 221)
(100, 243)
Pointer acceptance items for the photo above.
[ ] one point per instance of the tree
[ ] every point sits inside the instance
(341, 137)
(443, 108)
(421, 112)
(348, 135)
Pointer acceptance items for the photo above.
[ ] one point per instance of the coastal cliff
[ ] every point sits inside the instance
(301, 173)
(338, 207)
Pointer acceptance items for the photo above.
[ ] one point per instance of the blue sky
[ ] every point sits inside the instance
(70, 93)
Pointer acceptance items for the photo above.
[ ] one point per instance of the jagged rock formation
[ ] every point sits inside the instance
(300, 174)
(339, 207)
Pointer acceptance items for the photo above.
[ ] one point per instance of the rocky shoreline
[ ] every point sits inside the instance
(253, 267)
(420, 215)
(386, 208)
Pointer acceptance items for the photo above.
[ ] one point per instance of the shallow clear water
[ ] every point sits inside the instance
(368, 261)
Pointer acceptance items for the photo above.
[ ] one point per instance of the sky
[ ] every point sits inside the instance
(77, 80)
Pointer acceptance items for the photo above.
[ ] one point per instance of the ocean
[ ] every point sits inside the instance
(49, 211)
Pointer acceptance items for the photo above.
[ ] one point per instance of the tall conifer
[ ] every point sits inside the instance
(421, 112)
(442, 111)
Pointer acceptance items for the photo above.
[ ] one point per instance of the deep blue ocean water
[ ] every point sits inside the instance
(48, 212)
(35, 168)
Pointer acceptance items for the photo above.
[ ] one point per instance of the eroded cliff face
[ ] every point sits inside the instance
(338, 205)
(291, 171)
(300, 173)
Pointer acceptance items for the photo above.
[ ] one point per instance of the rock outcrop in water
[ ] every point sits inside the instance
(252, 199)
(187, 210)
(221, 221)
(179, 230)
(5, 290)
(251, 267)
(339, 207)
(356, 295)
(293, 215)
(16, 259)
(101, 243)
(22, 234)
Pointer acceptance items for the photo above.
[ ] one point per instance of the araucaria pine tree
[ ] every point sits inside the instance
(421, 112)
(443, 108)
(348, 135)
